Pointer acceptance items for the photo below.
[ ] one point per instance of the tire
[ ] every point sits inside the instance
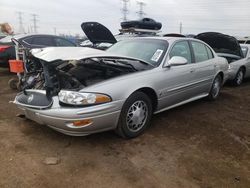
(239, 77)
(135, 115)
(13, 83)
(215, 89)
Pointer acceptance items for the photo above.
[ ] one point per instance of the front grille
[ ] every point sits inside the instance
(34, 99)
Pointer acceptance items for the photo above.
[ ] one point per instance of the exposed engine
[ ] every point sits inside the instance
(75, 75)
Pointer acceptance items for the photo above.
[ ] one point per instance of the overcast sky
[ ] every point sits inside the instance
(227, 16)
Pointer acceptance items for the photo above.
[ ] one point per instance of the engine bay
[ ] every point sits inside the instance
(77, 74)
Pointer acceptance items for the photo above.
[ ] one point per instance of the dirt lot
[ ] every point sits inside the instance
(201, 144)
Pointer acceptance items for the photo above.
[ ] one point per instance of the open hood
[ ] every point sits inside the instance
(221, 43)
(98, 33)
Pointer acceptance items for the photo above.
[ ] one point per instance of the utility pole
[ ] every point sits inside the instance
(180, 27)
(141, 12)
(55, 30)
(34, 19)
(20, 20)
(125, 10)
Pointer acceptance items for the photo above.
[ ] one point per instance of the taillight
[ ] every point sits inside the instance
(3, 48)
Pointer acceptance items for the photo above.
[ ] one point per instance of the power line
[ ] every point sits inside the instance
(141, 12)
(125, 10)
(34, 19)
(20, 20)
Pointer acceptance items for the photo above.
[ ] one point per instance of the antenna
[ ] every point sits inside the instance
(34, 19)
(20, 20)
(125, 10)
(141, 12)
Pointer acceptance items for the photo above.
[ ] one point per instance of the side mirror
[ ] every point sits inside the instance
(177, 60)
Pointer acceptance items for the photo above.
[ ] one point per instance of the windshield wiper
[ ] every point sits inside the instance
(123, 62)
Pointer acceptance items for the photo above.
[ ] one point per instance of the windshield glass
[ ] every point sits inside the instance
(148, 50)
(244, 50)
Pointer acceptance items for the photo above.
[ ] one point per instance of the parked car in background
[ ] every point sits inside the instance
(228, 47)
(86, 90)
(243, 40)
(29, 41)
(2, 36)
(144, 23)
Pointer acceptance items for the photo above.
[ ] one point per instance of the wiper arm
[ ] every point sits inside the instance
(124, 62)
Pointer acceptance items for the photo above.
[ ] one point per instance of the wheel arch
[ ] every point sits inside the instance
(221, 74)
(243, 67)
(151, 94)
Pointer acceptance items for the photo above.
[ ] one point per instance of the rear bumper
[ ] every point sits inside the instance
(103, 117)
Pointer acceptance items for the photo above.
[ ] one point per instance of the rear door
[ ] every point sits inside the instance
(204, 67)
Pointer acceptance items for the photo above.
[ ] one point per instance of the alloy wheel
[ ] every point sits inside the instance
(216, 87)
(137, 116)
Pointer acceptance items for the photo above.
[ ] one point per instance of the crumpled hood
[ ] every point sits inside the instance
(221, 43)
(64, 53)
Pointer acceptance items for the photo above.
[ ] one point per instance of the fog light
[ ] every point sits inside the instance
(82, 123)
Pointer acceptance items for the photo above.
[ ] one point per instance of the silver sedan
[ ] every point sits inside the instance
(86, 91)
(239, 68)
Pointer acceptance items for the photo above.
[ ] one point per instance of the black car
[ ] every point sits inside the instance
(29, 41)
(144, 23)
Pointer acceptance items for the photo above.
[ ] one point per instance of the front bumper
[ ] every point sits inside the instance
(103, 117)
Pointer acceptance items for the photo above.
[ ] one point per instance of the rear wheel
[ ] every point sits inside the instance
(215, 89)
(135, 115)
(239, 77)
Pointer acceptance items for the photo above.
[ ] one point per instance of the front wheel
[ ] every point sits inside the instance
(135, 115)
(215, 89)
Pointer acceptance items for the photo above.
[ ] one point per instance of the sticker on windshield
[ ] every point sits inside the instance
(157, 55)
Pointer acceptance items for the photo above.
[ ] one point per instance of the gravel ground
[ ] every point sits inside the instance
(201, 144)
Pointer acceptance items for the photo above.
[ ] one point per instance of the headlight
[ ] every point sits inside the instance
(77, 98)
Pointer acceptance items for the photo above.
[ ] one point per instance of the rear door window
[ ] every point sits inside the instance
(200, 52)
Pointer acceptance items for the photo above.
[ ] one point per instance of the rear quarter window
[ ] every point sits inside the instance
(209, 53)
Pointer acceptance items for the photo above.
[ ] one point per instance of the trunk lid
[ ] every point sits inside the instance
(98, 33)
(221, 43)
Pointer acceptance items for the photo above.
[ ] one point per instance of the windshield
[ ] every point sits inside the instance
(244, 50)
(148, 50)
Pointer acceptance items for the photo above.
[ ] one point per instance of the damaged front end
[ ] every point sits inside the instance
(60, 99)
(71, 73)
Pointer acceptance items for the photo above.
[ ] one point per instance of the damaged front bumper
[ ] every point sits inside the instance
(99, 118)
